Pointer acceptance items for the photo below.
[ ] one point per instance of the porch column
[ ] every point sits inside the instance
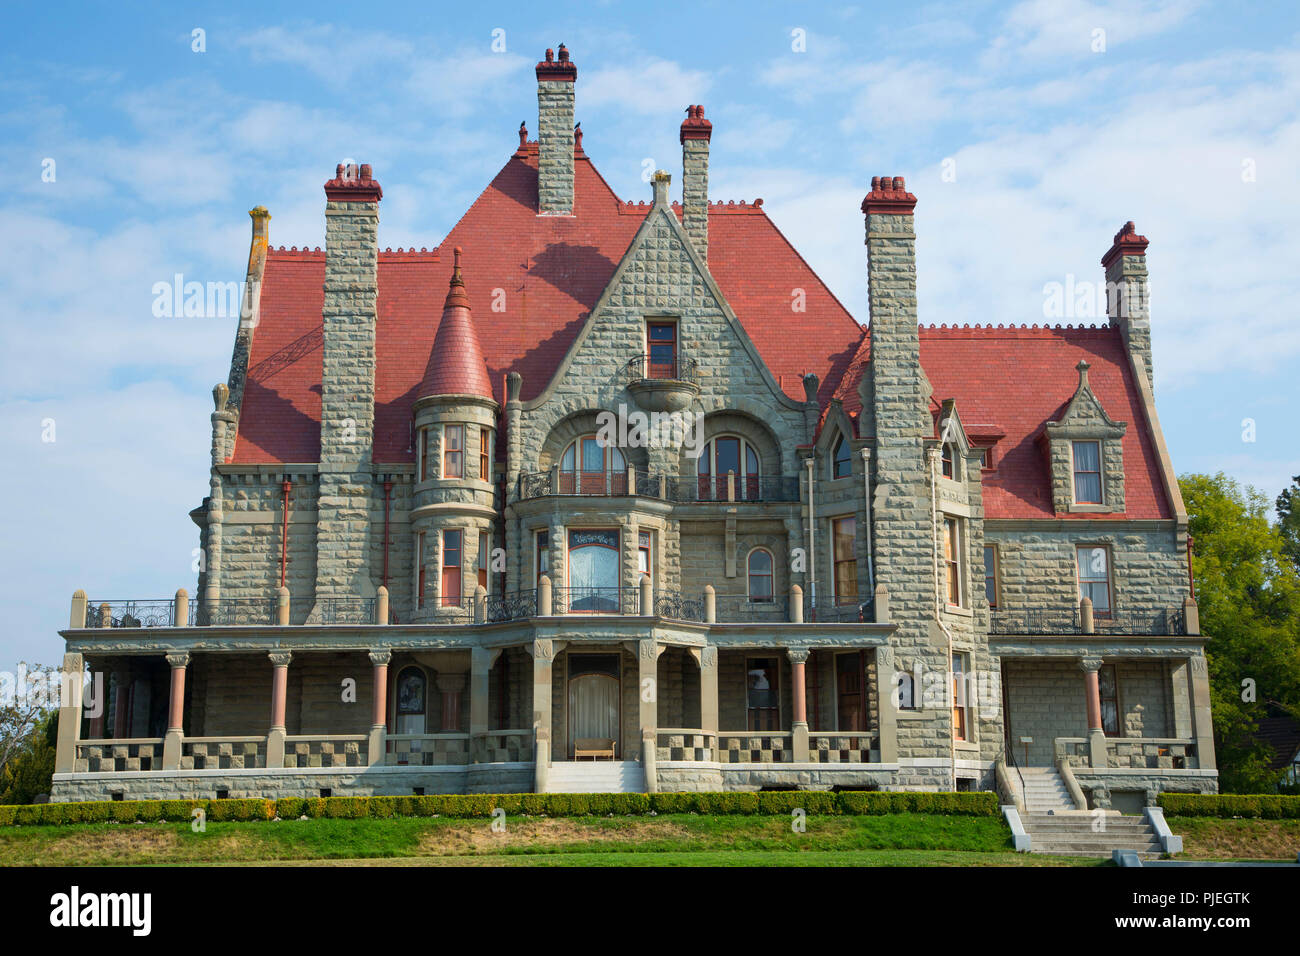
(887, 699)
(379, 661)
(481, 661)
(1180, 695)
(70, 686)
(707, 657)
(543, 658)
(648, 653)
(450, 687)
(122, 700)
(798, 679)
(1202, 723)
(1092, 697)
(279, 691)
(175, 711)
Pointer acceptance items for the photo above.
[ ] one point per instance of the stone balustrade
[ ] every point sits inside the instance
(223, 753)
(678, 743)
(426, 750)
(119, 756)
(861, 747)
(755, 747)
(503, 746)
(1124, 753)
(310, 750)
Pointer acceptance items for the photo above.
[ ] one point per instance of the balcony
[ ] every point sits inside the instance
(1064, 621)
(679, 489)
(662, 386)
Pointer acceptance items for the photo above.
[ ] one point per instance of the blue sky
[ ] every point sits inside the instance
(1028, 136)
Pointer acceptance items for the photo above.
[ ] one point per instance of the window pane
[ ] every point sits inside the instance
(616, 460)
(751, 461)
(991, 576)
(762, 683)
(1087, 488)
(728, 455)
(1087, 457)
(593, 456)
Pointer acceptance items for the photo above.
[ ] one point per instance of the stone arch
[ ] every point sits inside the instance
(751, 427)
(573, 426)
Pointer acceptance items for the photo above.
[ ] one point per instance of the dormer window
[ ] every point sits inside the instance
(1087, 472)
(946, 461)
(841, 459)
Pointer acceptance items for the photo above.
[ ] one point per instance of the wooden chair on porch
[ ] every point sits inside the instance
(601, 748)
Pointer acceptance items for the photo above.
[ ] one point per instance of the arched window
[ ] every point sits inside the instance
(724, 455)
(760, 576)
(841, 459)
(589, 467)
(412, 701)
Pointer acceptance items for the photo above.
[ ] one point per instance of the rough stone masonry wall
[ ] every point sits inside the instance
(1038, 568)
(343, 561)
(903, 536)
(695, 193)
(1127, 275)
(555, 147)
(252, 522)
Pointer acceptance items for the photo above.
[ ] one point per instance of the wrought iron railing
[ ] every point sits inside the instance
(593, 600)
(236, 612)
(511, 606)
(708, 488)
(1169, 621)
(671, 604)
(681, 369)
(831, 611)
(128, 613)
(739, 609)
(683, 489)
(347, 610)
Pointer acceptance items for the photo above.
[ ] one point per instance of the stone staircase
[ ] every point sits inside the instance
(596, 776)
(1045, 791)
(1057, 827)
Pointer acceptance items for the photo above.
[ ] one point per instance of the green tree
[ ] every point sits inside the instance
(30, 770)
(1288, 521)
(1249, 597)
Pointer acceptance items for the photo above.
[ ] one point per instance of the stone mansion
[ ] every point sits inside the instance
(604, 494)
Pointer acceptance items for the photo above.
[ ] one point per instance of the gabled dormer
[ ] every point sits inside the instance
(1086, 455)
(837, 448)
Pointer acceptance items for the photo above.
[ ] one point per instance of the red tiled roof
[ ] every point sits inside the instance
(1013, 381)
(456, 365)
(548, 272)
(535, 280)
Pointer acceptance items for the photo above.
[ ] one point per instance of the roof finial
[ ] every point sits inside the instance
(523, 133)
(577, 135)
(456, 278)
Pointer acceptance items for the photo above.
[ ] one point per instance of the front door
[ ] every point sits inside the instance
(593, 698)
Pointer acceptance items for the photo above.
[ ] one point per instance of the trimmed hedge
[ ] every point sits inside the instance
(1262, 806)
(474, 805)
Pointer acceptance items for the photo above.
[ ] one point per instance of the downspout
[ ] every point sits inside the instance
(933, 457)
(866, 503)
(812, 541)
(388, 488)
(285, 486)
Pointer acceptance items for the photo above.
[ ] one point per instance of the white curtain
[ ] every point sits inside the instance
(593, 706)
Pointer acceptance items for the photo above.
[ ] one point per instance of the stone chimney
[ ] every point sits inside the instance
(696, 132)
(900, 407)
(1127, 301)
(555, 80)
(347, 382)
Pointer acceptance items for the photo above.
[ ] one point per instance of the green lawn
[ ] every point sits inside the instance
(668, 840)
